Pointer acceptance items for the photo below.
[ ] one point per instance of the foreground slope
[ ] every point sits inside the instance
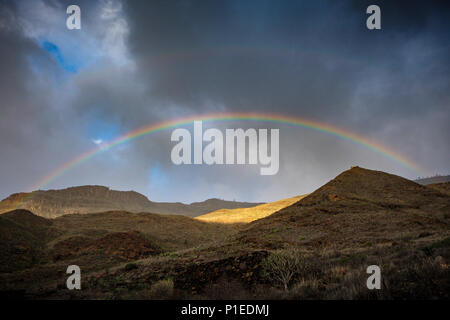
(95, 240)
(246, 215)
(88, 199)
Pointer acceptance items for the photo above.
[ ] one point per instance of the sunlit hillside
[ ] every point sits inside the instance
(246, 215)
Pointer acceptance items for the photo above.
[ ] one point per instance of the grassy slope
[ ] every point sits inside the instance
(246, 215)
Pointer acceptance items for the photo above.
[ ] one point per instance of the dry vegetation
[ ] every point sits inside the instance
(443, 187)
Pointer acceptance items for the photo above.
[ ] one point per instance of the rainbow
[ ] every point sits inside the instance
(262, 117)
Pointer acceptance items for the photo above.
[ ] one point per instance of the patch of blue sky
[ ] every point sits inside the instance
(99, 130)
(158, 176)
(70, 65)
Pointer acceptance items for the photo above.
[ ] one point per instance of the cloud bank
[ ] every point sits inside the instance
(64, 92)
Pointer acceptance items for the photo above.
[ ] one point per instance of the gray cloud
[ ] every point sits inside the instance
(142, 62)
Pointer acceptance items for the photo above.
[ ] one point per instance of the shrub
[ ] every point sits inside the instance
(162, 289)
(282, 266)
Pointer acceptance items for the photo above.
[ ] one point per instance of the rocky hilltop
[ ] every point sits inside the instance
(89, 199)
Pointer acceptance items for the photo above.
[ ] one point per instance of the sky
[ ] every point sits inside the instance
(136, 63)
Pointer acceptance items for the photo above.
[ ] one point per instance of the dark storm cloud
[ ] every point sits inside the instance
(241, 55)
(23, 113)
(303, 57)
(313, 59)
(140, 62)
(38, 130)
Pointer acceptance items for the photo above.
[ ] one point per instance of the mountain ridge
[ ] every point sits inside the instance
(94, 198)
